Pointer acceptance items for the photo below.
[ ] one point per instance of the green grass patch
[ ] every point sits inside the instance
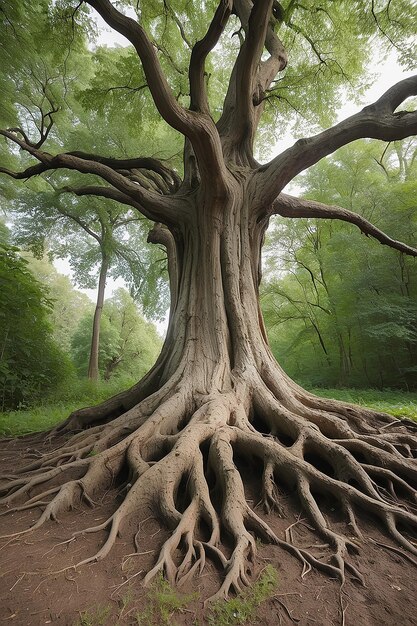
(79, 393)
(400, 404)
(96, 616)
(58, 405)
(162, 603)
(241, 609)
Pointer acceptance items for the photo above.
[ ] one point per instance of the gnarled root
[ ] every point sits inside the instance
(181, 449)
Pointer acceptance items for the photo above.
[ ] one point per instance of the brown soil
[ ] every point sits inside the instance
(36, 589)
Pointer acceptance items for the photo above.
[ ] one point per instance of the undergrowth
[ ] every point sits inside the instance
(401, 404)
(58, 405)
(242, 608)
(162, 602)
(97, 616)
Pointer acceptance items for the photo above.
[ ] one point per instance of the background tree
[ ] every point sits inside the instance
(215, 394)
(26, 332)
(100, 239)
(129, 344)
(342, 303)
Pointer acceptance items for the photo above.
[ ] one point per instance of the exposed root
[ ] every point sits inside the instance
(181, 452)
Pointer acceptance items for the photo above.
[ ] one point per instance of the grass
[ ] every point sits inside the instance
(162, 603)
(97, 616)
(84, 393)
(398, 403)
(57, 406)
(242, 608)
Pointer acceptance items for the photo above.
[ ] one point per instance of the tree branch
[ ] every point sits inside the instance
(250, 54)
(154, 205)
(164, 99)
(290, 206)
(200, 51)
(80, 223)
(377, 121)
(200, 129)
(155, 165)
(113, 194)
(251, 76)
(178, 22)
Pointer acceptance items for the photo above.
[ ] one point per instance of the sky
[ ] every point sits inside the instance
(387, 73)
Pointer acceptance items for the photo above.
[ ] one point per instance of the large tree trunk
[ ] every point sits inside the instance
(215, 393)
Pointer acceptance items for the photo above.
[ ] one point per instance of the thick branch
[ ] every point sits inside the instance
(250, 78)
(164, 99)
(118, 196)
(161, 235)
(153, 205)
(377, 121)
(290, 206)
(202, 48)
(251, 54)
(199, 128)
(147, 163)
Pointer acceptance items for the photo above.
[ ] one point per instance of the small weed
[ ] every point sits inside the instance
(163, 601)
(94, 617)
(242, 608)
(125, 601)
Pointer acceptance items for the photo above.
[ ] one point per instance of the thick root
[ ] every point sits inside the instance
(183, 453)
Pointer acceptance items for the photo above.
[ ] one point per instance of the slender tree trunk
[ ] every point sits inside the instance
(95, 339)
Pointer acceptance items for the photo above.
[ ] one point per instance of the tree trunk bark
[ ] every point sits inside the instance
(93, 370)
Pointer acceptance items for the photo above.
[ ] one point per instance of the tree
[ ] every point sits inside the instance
(100, 238)
(333, 300)
(216, 392)
(25, 332)
(129, 344)
(69, 305)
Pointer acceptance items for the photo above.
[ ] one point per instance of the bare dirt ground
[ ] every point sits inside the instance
(38, 586)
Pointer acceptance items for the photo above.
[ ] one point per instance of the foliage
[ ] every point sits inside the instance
(25, 332)
(400, 404)
(90, 232)
(162, 601)
(128, 344)
(342, 310)
(241, 609)
(68, 304)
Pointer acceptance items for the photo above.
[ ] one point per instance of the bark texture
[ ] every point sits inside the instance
(216, 396)
(92, 373)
